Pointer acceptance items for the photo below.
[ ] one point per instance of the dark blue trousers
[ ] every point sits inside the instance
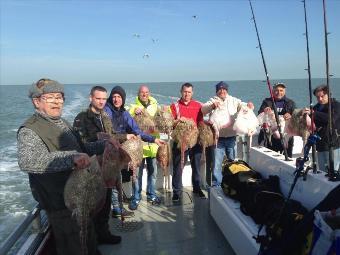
(195, 158)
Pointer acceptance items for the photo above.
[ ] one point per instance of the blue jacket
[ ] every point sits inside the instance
(123, 123)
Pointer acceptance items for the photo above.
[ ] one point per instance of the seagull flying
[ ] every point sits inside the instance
(146, 55)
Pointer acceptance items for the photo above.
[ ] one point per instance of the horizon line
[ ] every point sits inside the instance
(105, 83)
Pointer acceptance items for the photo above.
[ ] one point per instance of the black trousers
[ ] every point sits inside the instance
(101, 220)
(66, 233)
(194, 154)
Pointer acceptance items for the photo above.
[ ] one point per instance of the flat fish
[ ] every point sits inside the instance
(163, 158)
(299, 125)
(206, 136)
(267, 123)
(145, 121)
(267, 120)
(246, 122)
(185, 135)
(134, 147)
(220, 118)
(84, 195)
(164, 120)
(275, 128)
(114, 160)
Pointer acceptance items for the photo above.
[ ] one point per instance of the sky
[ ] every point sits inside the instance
(106, 41)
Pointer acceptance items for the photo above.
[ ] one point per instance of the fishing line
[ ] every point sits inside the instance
(331, 173)
(310, 88)
(269, 85)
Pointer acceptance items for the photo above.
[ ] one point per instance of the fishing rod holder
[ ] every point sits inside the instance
(312, 140)
(300, 161)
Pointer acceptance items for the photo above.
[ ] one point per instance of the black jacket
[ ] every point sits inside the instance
(289, 105)
(322, 127)
(87, 124)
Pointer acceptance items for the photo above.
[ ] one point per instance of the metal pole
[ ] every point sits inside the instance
(331, 173)
(310, 88)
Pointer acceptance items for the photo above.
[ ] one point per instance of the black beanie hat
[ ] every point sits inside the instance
(221, 85)
(117, 90)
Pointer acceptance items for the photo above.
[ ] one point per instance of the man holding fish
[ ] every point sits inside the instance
(88, 124)
(320, 112)
(148, 103)
(285, 108)
(186, 110)
(222, 110)
(123, 123)
(49, 150)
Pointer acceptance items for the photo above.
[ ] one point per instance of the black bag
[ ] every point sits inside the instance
(252, 192)
(283, 222)
(126, 175)
(279, 217)
(296, 239)
(236, 175)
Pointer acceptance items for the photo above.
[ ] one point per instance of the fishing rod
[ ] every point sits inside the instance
(269, 86)
(310, 89)
(331, 172)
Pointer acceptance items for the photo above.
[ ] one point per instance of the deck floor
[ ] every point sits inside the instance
(182, 228)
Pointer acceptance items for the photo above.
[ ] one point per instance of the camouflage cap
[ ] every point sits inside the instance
(279, 84)
(44, 86)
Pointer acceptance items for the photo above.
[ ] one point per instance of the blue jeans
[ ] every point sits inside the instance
(225, 146)
(151, 167)
(323, 160)
(115, 202)
(195, 160)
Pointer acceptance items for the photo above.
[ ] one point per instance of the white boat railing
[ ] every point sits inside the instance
(36, 223)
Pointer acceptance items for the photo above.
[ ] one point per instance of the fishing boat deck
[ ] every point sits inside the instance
(170, 228)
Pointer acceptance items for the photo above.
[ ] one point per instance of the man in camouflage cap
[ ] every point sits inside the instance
(49, 150)
(45, 86)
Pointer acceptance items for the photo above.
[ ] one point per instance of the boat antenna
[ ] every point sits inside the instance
(310, 88)
(269, 86)
(331, 172)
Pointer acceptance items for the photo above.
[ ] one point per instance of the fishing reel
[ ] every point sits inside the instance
(300, 161)
(312, 139)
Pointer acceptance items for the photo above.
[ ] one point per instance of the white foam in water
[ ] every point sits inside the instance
(73, 107)
(168, 99)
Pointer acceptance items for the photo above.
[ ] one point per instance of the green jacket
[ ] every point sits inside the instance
(149, 149)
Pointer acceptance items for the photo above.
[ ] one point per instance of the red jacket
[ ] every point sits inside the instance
(192, 110)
